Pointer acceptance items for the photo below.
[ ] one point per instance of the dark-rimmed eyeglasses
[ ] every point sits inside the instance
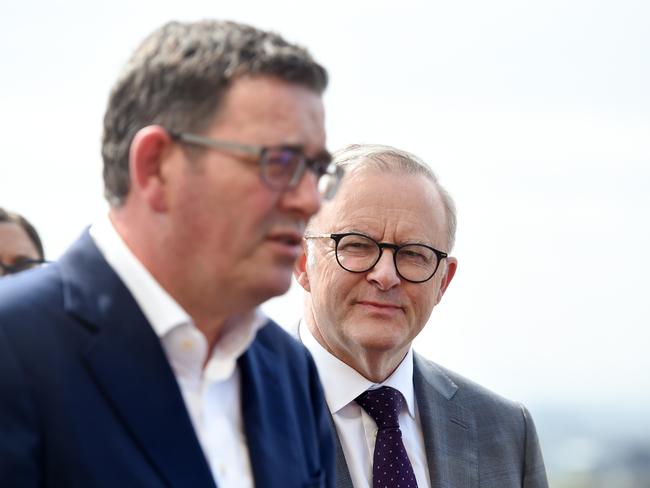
(20, 265)
(359, 253)
(282, 167)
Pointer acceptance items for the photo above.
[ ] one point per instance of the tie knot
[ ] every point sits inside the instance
(383, 405)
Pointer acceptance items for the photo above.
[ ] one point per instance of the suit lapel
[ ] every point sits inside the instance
(449, 432)
(129, 366)
(273, 450)
(343, 478)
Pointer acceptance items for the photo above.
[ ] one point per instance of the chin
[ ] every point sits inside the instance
(274, 286)
(383, 344)
(374, 339)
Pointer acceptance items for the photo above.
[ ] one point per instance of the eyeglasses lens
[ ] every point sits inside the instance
(416, 262)
(358, 254)
(281, 165)
(284, 167)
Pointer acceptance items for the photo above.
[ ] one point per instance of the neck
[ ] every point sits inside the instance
(209, 315)
(377, 368)
(374, 365)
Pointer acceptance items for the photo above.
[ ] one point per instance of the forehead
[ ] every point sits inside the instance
(14, 241)
(270, 111)
(391, 206)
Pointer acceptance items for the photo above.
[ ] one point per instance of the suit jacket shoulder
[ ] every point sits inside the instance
(87, 396)
(474, 437)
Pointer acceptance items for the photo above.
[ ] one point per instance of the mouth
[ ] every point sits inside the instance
(288, 238)
(379, 305)
(286, 243)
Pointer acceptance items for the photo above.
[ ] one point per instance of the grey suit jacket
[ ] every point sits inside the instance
(473, 437)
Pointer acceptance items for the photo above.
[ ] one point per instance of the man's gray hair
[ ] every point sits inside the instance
(178, 77)
(379, 157)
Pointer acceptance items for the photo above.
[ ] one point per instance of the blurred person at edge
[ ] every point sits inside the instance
(20, 246)
(376, 263)
(141, 358)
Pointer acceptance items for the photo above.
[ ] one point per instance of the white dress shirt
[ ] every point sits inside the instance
(211, 393)
(356, 429)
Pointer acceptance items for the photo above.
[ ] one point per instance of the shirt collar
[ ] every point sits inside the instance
(160, 309)
(167, 317)
(342, 383)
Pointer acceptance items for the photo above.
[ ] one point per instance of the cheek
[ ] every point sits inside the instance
(323, 272)
(331, 291)
(229, 195)
(328, 291)
(423, 302)
(245, 222)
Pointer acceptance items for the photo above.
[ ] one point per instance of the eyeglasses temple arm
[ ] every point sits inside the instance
(215, 143)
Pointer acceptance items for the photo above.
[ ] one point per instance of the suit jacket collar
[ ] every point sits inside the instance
(343, 479)
(449, 430)
(125, 358)
(271, 443)
(259, 389)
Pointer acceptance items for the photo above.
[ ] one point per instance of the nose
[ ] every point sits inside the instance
(304, 198)
(384, 274)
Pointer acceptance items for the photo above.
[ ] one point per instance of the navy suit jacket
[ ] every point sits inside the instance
(88, 398)
(473, 438)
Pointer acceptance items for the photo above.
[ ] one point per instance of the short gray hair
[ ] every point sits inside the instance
(357, 157)
(178, 77)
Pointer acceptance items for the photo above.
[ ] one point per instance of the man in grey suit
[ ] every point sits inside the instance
(376, 262)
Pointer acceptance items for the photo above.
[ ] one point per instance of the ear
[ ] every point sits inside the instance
(452, 264)
(147, 153)
(300, 269)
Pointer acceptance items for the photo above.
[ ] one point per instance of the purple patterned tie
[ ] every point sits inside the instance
(391, 467)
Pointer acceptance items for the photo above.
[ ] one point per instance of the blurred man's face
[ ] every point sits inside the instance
(16, 248)
(236, 240)
(356, 315)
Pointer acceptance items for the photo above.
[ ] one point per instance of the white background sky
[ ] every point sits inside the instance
(535, 115)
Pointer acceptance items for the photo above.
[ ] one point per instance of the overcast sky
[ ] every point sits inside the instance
(535, 115)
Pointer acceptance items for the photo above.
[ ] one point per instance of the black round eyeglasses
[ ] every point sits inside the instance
(359, 253)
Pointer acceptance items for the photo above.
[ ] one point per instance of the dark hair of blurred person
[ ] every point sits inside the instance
(20, 245)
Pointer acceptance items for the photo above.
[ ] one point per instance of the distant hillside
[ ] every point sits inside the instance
(595, 446)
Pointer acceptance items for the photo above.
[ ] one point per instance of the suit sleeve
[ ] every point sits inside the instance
(534, 470)
(19, 438)
(324, 426)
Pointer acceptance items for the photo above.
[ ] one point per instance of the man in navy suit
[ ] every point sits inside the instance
(377, 261)
(141, 358)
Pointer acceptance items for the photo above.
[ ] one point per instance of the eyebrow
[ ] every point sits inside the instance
(400, 243)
